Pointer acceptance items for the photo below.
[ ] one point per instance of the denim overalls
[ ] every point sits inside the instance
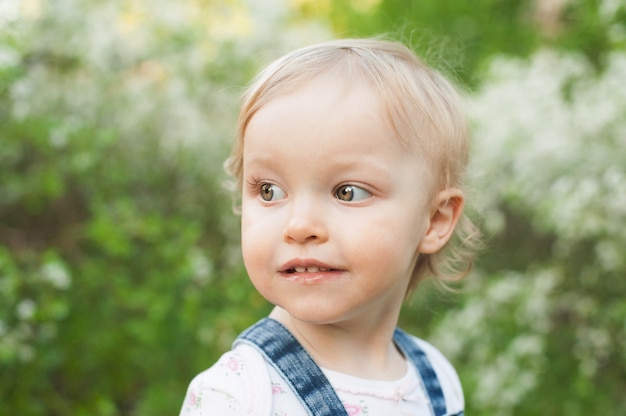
(308, 381)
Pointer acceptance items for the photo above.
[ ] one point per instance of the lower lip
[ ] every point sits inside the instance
(312, 277)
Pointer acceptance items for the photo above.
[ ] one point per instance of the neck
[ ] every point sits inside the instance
(359, 349)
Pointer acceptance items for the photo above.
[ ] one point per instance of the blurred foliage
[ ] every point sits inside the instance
(120, 273)
(460, 36)
(454, 35)
(556, 179)
(120, 276)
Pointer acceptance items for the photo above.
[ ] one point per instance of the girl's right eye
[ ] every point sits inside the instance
(270, 192)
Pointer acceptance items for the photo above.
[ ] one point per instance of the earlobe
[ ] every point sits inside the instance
(443, 220)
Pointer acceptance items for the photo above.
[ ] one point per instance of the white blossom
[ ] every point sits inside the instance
(201, 266)
(56, 274)
(559, 145)
(26, 309)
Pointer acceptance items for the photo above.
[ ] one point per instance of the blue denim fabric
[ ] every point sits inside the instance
(308, 381)
(429, 378)
(296, 366)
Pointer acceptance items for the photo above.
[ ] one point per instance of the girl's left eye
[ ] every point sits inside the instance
(351, 193)
(270, 192)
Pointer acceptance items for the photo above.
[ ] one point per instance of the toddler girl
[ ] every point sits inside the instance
(349, 160)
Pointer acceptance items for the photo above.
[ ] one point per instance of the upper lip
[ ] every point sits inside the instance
(301, 265)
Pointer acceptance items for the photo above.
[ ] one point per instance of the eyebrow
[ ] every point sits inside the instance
(256, 160)
(360, 167)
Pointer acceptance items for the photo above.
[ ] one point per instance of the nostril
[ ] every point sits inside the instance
(304, 231)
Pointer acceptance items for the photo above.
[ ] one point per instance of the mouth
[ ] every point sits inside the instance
(308, 269)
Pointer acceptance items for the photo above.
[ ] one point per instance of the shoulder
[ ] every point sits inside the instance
(237, 384)
(447, 375)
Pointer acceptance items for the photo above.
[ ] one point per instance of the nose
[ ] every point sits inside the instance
(305, 224)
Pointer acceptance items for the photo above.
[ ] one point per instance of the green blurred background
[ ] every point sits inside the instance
(120, 271)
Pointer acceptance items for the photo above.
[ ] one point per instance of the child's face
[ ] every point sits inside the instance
(334, 208)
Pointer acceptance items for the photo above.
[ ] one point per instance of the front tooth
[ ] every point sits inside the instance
(300, 269)
(312, 269)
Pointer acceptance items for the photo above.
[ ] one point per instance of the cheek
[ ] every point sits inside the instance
(387, 241)
(258, 238)
(256, 257)
(251, 232)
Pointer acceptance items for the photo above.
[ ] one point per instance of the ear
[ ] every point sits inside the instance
(443, 220)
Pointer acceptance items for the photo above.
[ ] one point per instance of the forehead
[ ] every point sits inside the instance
(322, 108)
(328, 127)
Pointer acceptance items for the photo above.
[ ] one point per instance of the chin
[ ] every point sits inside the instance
(315, 314)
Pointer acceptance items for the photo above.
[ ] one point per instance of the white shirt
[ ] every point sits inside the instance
(243, 383)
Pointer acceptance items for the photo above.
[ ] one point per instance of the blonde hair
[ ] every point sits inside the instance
(421, 105)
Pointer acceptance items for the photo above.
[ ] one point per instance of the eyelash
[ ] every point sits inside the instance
(256, 187)
(252, 185)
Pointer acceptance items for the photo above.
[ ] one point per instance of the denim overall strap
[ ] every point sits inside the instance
(296, 366)
(429, 378)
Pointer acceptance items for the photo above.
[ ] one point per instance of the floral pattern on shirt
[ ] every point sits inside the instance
(234, 365)
(194, 401)
(356, 409)
(277, 388)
